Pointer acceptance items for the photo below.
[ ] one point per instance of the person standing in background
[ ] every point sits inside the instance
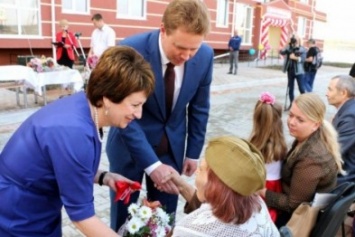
(309, 67)
(293, 65)
(65, 44)
(171, 134)
(233, 46)
(102, 37)
(341, 94)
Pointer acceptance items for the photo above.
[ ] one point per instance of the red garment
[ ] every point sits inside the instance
(275, 186)
(71, 40)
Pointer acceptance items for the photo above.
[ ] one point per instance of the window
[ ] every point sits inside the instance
(244, 22)
(131, 9)
(19, 18)
(76, 6)
(301, 27)
(222, 13)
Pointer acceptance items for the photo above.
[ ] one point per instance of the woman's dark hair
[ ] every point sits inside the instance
(120, 72)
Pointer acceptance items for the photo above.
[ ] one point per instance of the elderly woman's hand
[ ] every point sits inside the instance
(185, 189)
(175, 177)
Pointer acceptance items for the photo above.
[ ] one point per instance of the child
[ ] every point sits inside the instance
(267, 135)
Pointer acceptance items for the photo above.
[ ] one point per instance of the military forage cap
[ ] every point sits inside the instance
(237, 163)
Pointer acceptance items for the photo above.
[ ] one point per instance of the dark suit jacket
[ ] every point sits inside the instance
(344, 123)
(188, 120)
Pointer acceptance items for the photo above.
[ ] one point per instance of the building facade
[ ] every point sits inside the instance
(28, 27)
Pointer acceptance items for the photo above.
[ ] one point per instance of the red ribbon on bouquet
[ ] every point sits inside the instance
(125, 189)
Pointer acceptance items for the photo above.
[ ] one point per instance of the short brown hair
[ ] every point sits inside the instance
(120, 72)
(229, 206)
(192, 15)
(96, 17)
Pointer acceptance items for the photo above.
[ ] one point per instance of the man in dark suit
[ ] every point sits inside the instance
(341, 93)
(167, 140)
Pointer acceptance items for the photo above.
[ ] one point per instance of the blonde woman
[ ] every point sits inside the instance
(313, 162)
(65, 44)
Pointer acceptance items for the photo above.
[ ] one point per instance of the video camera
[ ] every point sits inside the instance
(293, 48)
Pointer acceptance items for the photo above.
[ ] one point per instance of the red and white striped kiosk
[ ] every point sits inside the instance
(276, 16)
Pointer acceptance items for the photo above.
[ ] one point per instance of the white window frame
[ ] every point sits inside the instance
(21, 33)
(132, 5)
(222, 13)
(73, 9)
(301, 26)
(244, 16)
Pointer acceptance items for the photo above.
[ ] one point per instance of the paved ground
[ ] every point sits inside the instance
(232, 102)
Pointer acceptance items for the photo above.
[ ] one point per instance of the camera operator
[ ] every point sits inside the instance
(293, 64)
(309, 67)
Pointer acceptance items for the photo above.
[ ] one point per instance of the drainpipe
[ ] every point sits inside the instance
(53, 28)
(313, 20)
(234, 17)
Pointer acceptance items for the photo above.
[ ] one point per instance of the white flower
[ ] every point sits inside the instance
(160, 231)
(133, 209)
(134, 224)
(145, 213)
(147, 221)
(163, 216)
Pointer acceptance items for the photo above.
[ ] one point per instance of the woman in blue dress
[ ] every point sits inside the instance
(52, 159)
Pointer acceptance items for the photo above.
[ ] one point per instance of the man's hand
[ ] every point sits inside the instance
(190, 166)
(159, 174)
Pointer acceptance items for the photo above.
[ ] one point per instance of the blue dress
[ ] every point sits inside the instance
(49, 162)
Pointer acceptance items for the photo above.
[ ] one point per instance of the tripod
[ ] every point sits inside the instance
(286, 99)
(83, 57)
(81, 47)
(87, 71)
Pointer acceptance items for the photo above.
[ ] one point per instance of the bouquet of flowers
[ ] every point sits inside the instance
(147, 220)
(92, 61)
(41, 64)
